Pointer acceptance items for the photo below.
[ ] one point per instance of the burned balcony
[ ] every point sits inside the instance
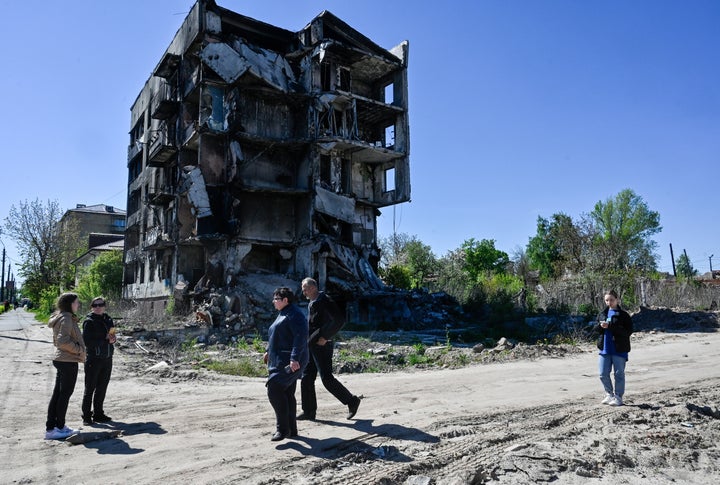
(155, 238)
(162, 145)
(133, 220)
(161, 195)
(167, 66)
(134, 149)
(132, 254)
(164, 103)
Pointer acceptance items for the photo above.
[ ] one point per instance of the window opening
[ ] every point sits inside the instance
(325, 76)
(390, 93)
(325, 171)
(390, 179)
(389, 136)
(344, 78)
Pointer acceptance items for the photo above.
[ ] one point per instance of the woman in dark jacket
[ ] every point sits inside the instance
(99, 337)
(286, 356)
(615, 327)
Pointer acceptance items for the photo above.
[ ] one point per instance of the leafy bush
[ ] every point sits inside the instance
(397, 275)
(102, 278)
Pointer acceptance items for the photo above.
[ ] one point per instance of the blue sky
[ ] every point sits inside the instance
(518, 109)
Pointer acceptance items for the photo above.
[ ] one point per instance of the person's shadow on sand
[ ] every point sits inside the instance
(335, 447)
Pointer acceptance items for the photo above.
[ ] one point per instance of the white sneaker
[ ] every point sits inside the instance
(616, 401)
(67, 430)
(608, 399)
(56, 434)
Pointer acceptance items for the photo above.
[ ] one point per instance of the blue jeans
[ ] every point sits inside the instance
(618, 363)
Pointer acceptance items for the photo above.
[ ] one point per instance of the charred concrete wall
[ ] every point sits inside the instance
(257, 149)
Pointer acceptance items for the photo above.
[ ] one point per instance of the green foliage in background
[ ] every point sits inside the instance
(684, 267)
(102, 278)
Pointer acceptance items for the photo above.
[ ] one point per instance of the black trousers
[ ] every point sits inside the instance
(282, 399)
(65, 380)
(97, 378)
(321, 362)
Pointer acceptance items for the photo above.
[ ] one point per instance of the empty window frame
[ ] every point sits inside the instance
(344, 78)
(390, 136)
(389, 93)
(389, 179)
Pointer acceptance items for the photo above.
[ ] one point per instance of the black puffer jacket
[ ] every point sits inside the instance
(621, 327)
(95, 331)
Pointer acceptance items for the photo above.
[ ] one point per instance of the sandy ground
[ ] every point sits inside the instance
(520, 422)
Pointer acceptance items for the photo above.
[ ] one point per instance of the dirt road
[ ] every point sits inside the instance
(521, 422)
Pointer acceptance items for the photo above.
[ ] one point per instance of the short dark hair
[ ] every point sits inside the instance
(284, 292)
(612, 293)
(65, 301)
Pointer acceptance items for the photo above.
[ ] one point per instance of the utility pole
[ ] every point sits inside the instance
(712, 275)
(7, 280)
(672, 258)
(2, 283)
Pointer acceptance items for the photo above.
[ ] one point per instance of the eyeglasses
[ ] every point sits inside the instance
(95, 305)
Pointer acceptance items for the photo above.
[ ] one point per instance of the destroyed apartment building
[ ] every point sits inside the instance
(255, 151)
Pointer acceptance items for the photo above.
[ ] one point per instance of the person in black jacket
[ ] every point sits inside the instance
(99, 337)
(615, 327)
(325, 321)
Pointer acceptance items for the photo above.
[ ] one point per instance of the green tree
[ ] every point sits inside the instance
(559, 245)
(452, 278)
(481, 258)
(408, 252)
(421, 262)
(623, 227)
(102, 278)
(392, 248)
(684, 267)
(543, 252)
(45, 252)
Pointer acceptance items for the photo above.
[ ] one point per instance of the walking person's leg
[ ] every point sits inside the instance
(279, 402)
(307, 388)
(292, 409)
(324, 363)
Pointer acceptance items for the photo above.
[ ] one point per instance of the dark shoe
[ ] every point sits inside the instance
(353, 407)
(293, 434)
(87, 420)
(101, 418)
(305, 417)
(278, 436)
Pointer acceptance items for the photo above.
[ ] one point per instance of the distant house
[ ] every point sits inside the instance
(99, 243)
(91, 229)
(98, 218)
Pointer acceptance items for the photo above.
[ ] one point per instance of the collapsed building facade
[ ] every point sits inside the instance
(257, 150)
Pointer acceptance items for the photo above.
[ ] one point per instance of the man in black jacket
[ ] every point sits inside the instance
(325, 321)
